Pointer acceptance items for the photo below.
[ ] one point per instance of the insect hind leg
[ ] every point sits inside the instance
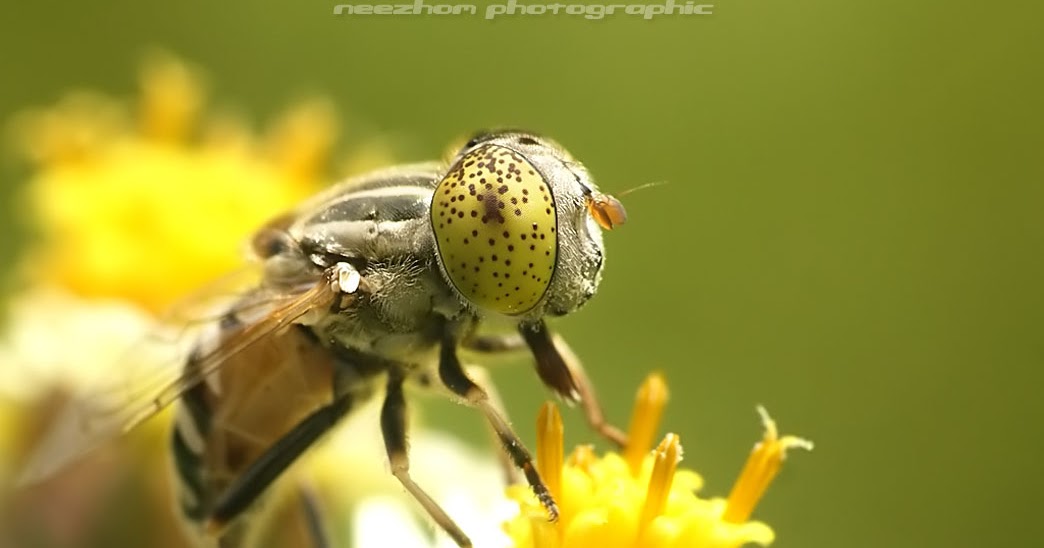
(249, 485)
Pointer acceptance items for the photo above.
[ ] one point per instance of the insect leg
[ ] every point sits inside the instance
(562, 371)
(311, 509)
(263, 471)
(482, 378)
(494, 343)
(393, 426)
(452, 374)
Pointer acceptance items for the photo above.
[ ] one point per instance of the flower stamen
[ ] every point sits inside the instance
(645, 420)
(665, 462)
(761, 468)
(550, 433)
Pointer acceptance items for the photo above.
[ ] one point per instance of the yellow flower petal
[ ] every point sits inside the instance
(613, 502)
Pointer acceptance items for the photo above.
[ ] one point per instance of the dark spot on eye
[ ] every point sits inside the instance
(523, 236)
(532, 248)
(493, 258)
(518, 212)
(465, 241)
(507, 262)
(482, 259)
(514, 201)
(474, 233)
(507, 234)
(492, 241)
(511, 247)
(503, 189)
(460, 214)
(541, 236)
(530, 265)
(527, 141)
(474, 214)
(496, 274)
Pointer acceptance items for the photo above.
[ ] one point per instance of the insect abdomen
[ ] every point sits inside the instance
(224, 424)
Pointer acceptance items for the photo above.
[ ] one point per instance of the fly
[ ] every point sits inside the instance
(374, 283)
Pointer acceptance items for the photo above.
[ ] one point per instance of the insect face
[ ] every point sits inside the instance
(515, 228)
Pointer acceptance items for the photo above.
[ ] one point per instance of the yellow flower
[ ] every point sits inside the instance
(135, 206)
(642, 499)
(148, 211)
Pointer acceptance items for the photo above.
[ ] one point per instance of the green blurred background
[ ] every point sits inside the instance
(851, 233)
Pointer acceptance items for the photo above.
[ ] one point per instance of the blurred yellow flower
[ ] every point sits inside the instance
(642, 499)
(149, 213)
(135, 206)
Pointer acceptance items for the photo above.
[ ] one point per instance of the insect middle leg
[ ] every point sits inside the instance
(393, 427)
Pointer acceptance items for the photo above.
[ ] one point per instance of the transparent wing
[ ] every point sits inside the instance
(145, 382)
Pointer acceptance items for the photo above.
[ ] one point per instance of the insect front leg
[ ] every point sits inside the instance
(482, 378)
(451, 372)
(561, 370)
(393, 427)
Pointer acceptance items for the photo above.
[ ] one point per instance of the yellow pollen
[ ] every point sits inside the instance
(666, 458)
(759, 471)
(645, 420)
(550, 449)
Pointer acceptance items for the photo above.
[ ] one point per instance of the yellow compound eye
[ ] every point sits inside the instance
(496, 228)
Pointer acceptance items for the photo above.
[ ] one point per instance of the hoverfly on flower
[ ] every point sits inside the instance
(373, 284)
